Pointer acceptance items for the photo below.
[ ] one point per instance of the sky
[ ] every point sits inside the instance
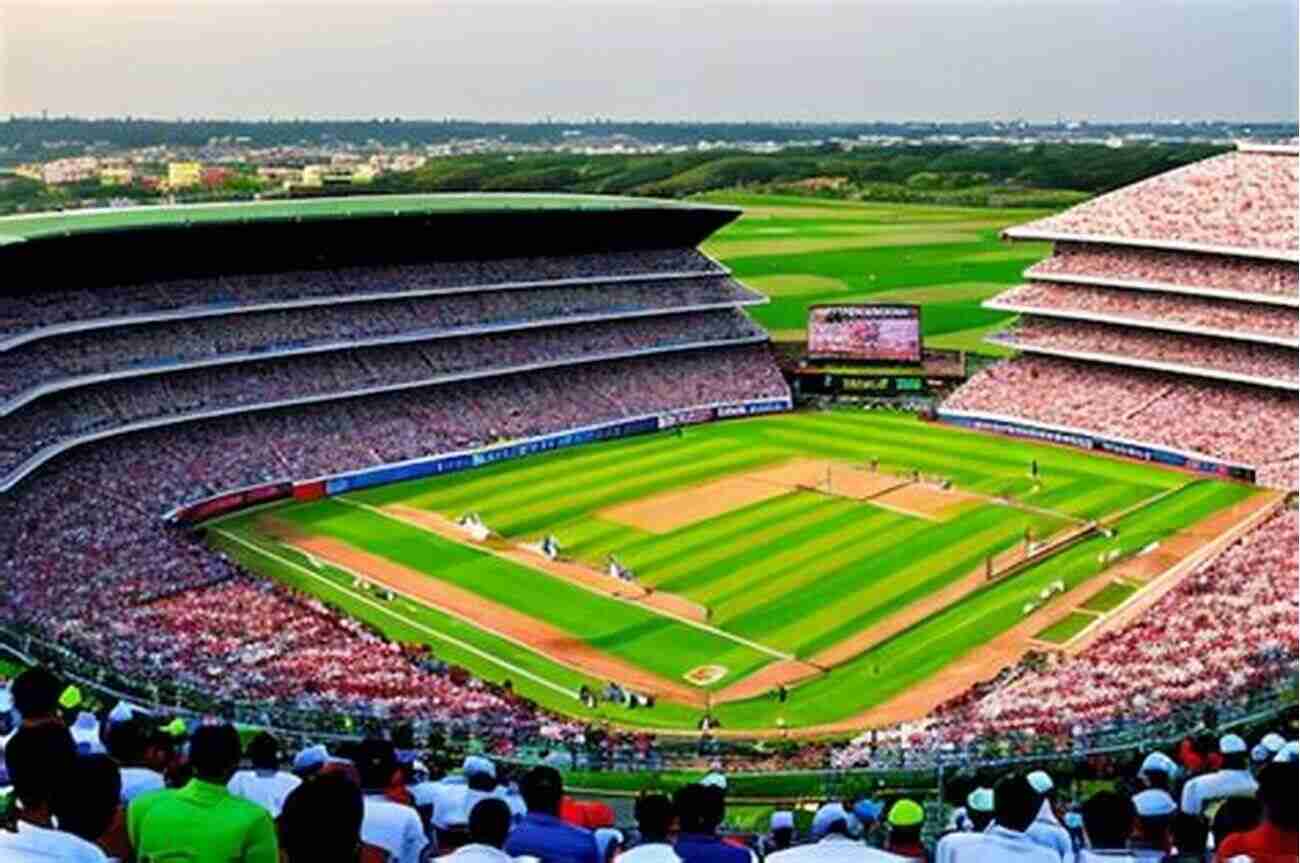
(523, 60)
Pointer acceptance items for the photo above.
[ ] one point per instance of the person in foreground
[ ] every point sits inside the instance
(1275, 839)
(394, 827)
(654, 817)
(700, 811)
(321, 823)
(542, 833)
(489, 823)
(202, 821)
(832, 828)
(1015, 806)
(39, 758)
(1108, 821)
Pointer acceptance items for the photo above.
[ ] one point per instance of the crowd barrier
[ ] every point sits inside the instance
(1099, 443)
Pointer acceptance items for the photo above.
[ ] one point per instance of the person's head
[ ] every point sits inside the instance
(1044, 787)
(264, 752)
(979, 808)
(36, 694)
(1236, 756)
(489, 822)
(159, 750)
(321, 820)
(906, 818)
(1190, 833)
(376, 761)
(1277, 794)
(126, 742)
(214, 753)
(831, 818)
(1236, 815)
(480, 773)
(1015, 803)
(542, 789)
(39, 759)
(87, 800)
(654, 817)
(1108, 819)
(700, 808)
(1155, 809)
(1158, 771)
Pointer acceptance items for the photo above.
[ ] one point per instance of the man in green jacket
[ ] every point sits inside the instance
(203, 822)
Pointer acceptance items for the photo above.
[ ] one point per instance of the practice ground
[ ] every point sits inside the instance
(804, 251)
(865, 594)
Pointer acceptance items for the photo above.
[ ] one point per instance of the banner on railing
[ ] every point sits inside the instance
(229, 502)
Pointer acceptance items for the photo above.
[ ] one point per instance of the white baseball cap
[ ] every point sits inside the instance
(1274, 741)
(715, 780)
(1154, 803)
(782, 819)
(980, 800)
(1040, 781)
(827, 815)
(1158, 762)
(475, 765)
(1231, 744)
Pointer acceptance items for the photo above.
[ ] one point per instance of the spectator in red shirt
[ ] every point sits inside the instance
(1274, 840)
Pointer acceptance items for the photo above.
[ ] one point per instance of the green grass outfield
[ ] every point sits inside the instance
(803, 251)
(796, 573)
(1067, 627)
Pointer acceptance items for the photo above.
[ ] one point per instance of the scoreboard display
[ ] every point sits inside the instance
(870, 332)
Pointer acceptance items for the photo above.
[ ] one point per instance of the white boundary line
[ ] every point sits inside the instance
(482, 654)
(703, 627)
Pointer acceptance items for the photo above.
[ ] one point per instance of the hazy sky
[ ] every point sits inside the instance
(633, 59)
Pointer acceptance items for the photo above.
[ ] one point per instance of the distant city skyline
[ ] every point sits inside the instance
(940, 60)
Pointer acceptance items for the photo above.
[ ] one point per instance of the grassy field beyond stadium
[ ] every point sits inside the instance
(795, 574)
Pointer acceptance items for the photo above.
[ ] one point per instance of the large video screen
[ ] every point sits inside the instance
(891, 333)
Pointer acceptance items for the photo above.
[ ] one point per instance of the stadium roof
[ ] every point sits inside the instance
(18, 229)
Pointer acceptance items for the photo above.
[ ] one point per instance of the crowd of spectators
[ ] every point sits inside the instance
(87, 561)
(103, 406)
(161, 344)
(1176, 269)
(1244, 424)
(1140, 306)
(31, 307)
(1240, 199)
(1196, 351)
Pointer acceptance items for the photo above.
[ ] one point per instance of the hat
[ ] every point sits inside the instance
(475, 765)
(121, 712)
(782, 819)
(715, 780)
(70, 698)
(175, 728)
(906, 813)
(868, 810)
(1273, 741)
(1154, 803)
(827, 815)
(310, 758)
(1040, 781)
(1288, 754)
(1158, 762)
(1259, 753)
(1231, 744)
(6, 700)
(980, 800)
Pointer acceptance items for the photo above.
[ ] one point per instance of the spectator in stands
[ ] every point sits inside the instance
(1047, 829)
(780, 834)
(1275, 839)
(655, 819)
(832, 829)
(394, 827)
(489, 824)
(1015, 806)
(41, 760)
(128, 746)
(1154, 810)
(1233, 780)
(202, 819)
(1158, 771)
(36, 695)
(88, 800)
(1108, 822)
(320, 822)
(266, 784)
(701, 810)
(906, 818)
(542, 833)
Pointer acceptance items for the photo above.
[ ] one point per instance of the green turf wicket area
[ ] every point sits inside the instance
(1067, 627)
(804, 251)
(1109, 597)
(794, 574)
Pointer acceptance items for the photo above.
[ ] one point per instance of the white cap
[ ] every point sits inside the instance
(1158, 762)
(1154, 803)
(980, 800)
(715, 780)
(782, 819)
(1231, 744)
(6, 700)
(478, 765)
(311, 758)
(1260, 753)
(1040, 781)
(827, 815)
(1288, 754)
(121, 712)
(1274, 741)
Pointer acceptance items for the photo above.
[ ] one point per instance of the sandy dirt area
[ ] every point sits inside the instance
(926, 501)
(670, 510)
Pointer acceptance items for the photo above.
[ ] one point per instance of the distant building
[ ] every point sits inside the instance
(116, 176)
(183, 175)
(73, 170)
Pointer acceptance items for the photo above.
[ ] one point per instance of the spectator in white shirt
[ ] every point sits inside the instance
(1047, 829)
(489, 822)
(1233, 780)
(654, 817)
(1108, 823)
(266, 784)
(391, 826)
(1153, 837)
(1015, 805)
(128, 744)
(42, 764)
(832, 827)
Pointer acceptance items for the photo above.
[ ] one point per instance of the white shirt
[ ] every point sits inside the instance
(1087, 855)
(32, 844)
(833, 849)
(267, 789)
(1217, 786)
(650, 852)
(138, 780)
(393, 827)
(1049, 833)
(473, 853)
(449, 804)
(994, 845)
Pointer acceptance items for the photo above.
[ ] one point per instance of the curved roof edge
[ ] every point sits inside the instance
(1027, 232)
